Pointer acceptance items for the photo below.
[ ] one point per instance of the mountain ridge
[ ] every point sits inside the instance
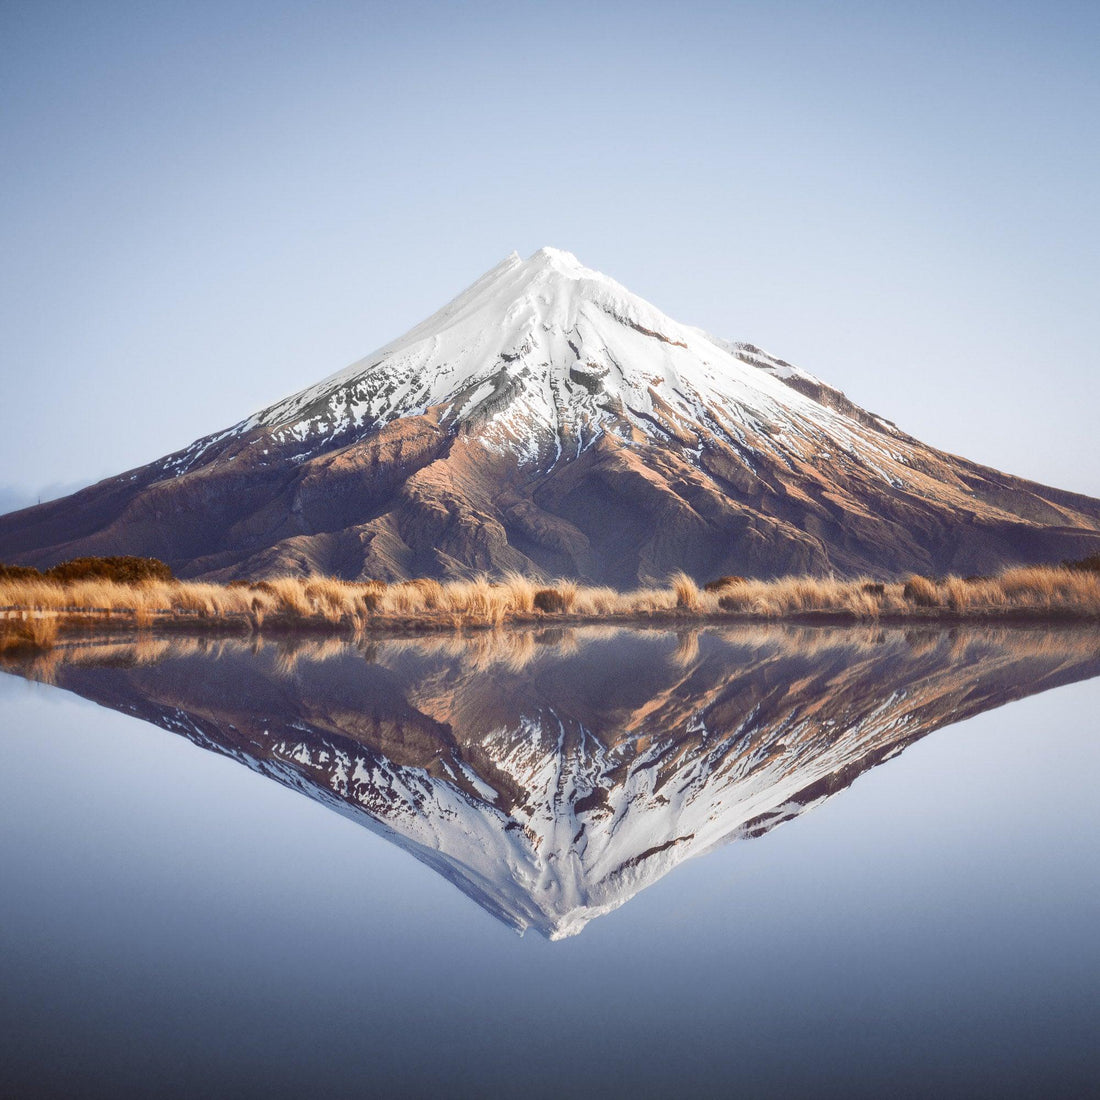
(546, 420)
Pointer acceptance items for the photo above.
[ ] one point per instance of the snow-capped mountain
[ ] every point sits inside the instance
(553, 776)
(544, 356)
(549, 421)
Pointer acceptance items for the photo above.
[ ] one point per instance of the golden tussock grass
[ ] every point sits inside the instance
(31, 608)
(687, 592)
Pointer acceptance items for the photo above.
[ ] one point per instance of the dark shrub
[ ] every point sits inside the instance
(873, 589)
(722, 582)
(18, 572)
(1091, 564)
(549, 600)
(122, 570)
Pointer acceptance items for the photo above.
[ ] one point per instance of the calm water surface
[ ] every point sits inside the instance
(758, 862)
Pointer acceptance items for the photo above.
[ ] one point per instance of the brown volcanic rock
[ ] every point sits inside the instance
(548, 421)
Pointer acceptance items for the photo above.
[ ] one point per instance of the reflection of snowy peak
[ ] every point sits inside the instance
(550, 422)
(580, 845)
(552, 779)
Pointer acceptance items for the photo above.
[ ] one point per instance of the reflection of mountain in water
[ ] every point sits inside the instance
(552, 776)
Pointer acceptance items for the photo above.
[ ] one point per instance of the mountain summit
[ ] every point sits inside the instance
(543, 356)
(549, 421)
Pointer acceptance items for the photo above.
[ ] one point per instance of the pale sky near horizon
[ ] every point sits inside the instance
(205, 207)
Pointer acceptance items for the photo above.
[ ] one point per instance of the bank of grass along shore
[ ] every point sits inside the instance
(34, 606)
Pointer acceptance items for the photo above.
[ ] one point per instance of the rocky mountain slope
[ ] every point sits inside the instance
(549, 421)
(552, 776)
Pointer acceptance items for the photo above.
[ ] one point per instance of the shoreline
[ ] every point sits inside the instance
(241, 623)
(121, 640)
(35, 610)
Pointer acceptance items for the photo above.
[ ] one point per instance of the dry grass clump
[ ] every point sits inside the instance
(595, 603)
(330, 603)
(410, 597)
(1034, 590)
(568, 592)
(687, 592)
(1041, 587)
(920, 591)
(518, 594)
(1029, 589)
(475, 601)
(796, 595)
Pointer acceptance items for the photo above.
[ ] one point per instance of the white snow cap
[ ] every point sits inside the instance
(546, 355)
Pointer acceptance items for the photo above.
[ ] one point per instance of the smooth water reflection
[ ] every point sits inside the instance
(553, 777)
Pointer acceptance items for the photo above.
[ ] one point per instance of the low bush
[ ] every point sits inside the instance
(121, 570)
(18, 573)
(1091, 564)
(549, 600)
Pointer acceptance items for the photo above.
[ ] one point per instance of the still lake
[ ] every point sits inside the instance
(760, 861)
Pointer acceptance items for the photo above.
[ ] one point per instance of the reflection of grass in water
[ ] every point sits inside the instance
(291, 652)
(30, 635)
(514, 649)
(687, 648)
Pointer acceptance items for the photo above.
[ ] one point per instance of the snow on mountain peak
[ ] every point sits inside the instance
(545, 355)
(557, 256)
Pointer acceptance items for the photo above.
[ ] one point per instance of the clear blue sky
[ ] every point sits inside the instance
(206, 206)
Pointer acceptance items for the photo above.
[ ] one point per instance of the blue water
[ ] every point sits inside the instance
(173, 924)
